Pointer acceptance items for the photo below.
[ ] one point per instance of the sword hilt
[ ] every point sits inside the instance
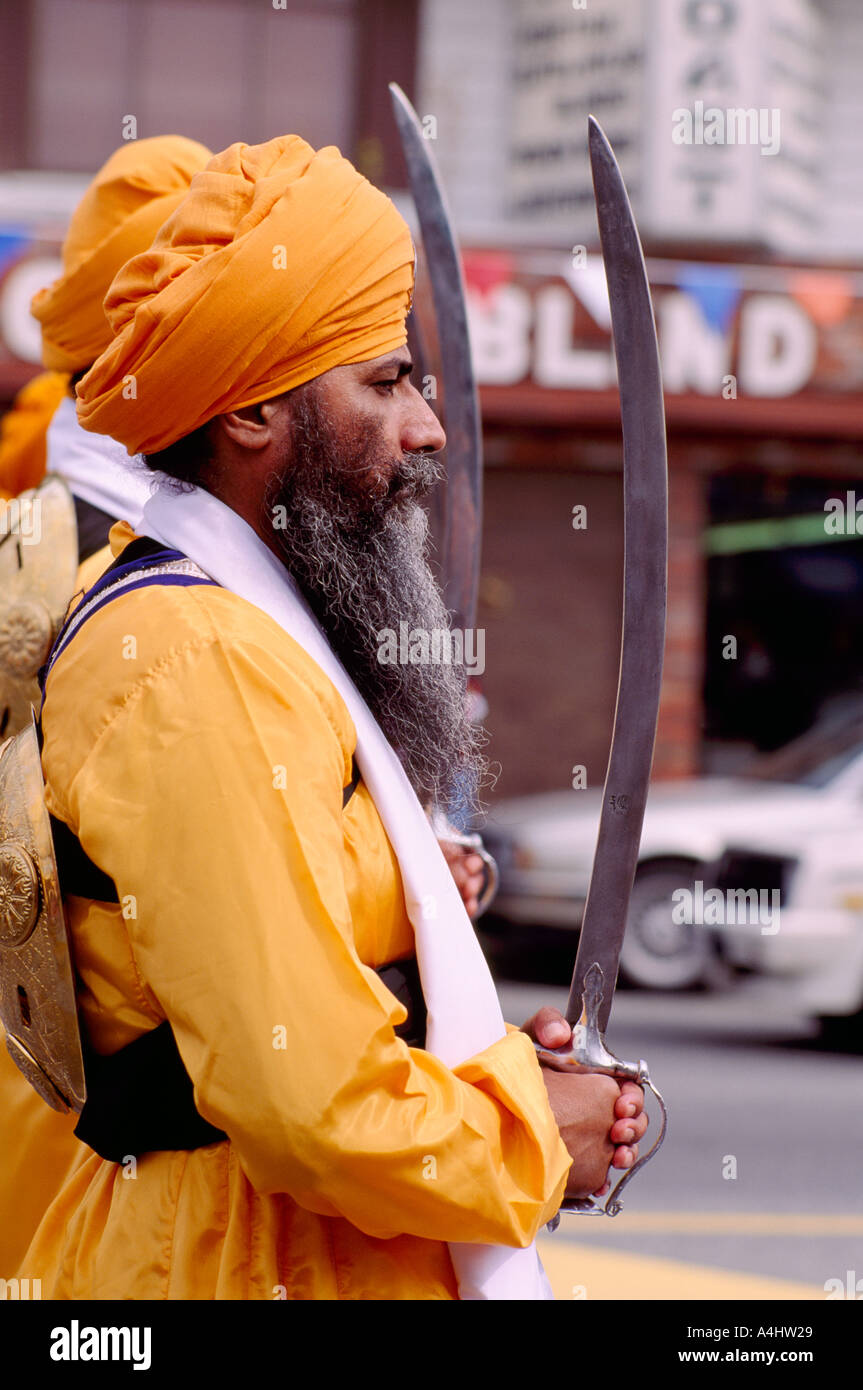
(589, 1206)
(491, 872)
(472, 841)
(587, 1052)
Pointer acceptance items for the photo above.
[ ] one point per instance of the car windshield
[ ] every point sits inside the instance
(813, 760)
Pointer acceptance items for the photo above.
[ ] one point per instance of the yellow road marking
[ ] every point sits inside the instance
(578, 1271)
(736, 1223)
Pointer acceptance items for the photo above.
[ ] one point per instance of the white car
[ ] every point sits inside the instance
(786, 835)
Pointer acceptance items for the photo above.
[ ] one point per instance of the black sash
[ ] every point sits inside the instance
(93, 528)
(141, 1099)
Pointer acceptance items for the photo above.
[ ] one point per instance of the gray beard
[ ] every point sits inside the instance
(360, 558)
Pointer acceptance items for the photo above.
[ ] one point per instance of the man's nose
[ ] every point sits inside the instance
(421, 429)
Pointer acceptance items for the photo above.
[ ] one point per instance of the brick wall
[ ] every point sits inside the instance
(550, 602)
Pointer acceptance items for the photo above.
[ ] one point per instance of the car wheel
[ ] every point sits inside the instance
(659, 953)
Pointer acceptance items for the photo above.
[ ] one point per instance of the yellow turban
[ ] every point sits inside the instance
(280, 263)
(122, 210)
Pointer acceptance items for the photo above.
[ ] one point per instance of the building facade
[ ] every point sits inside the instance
(753, 260)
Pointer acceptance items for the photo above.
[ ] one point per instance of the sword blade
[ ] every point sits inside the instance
(461, 544)
(425, 356)
(645, 491)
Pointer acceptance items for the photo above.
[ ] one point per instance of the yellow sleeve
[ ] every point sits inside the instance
(214, 797)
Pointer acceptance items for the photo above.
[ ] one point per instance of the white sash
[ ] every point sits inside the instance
(464, 1014)
(97, 469)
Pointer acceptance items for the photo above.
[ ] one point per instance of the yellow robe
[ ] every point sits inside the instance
(38, 1149)
(200, 756)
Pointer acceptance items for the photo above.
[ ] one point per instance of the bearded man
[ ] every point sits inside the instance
(294, 1045)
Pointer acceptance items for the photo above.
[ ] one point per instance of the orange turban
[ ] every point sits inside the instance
(280, 263)
(124, 207)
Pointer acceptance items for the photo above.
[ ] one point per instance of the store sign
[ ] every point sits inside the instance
(542, 318)
(27, 263)
(733, 111)
(19, 331)
(722, 330)
(567, 61)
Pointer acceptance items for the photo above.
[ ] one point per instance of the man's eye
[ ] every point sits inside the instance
(389, 384)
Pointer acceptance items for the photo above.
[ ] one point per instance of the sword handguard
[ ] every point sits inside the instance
(490, 869)
(472, 841)
(587, 1052)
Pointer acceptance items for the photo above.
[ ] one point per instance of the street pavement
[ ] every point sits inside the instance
(757, 1192)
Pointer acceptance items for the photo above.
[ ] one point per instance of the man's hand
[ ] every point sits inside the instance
(468, 870)
(600, 1120)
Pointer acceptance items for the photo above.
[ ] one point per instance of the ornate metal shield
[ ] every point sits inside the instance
(37, 986)
(38, 572)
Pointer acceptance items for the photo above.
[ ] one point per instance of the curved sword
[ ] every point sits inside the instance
(645, 507)
(461, 543)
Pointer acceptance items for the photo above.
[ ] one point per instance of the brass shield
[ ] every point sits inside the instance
(37, 984)
(38, 574)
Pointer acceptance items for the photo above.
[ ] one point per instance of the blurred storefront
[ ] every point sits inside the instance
(763, 369)
(762, 350)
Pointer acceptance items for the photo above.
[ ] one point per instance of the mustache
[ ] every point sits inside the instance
(410, 478)
(414, 476)
(364, 510)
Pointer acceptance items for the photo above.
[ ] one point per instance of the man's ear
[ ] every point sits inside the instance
(251, 427)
